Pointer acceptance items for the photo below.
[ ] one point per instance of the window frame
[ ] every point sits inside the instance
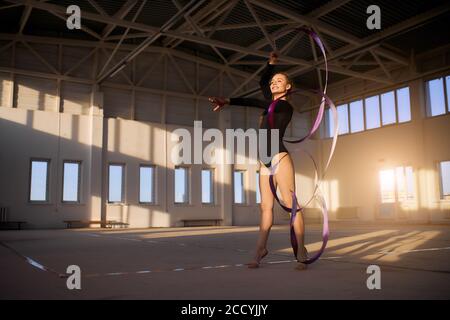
(153, 185)
(212, 184)
(244, 190)
(363, 115)
(187, 186)
(48, 177)
(79, 181)
(363, 99)
(428, 100)
(122, 198)
(442, 196)
(395, 108)
(380, 117)
(257, 189)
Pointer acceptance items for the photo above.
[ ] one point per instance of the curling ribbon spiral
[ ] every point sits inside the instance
(325, 100)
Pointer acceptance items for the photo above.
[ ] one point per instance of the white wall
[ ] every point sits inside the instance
(137, 131)
(353, 178)
(27, 134)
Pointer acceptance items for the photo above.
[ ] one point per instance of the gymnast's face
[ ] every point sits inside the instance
(279, 84)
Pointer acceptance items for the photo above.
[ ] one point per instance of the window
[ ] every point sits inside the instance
(258, 191)
(447, 86)
(403, 105)
(387, 184)
(39, 178)
(71, 181)
(342, 113)
(379, 110)
(409, 183)
(356, 116)
(397, 184)
(343, 118)
(435, 97)
(207, 186)
(115, 194)
(181, 185)
(146, 184)
(330, 123)
(239, 191)
(405, 183)
(388, 108)
(444, 172)
(372, 112)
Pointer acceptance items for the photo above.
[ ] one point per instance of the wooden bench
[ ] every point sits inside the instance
(119, 224)
(6, 225)
(107, 223)
(201, 222)
(70, 223)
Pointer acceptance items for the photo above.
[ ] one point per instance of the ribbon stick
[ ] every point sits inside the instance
(325, 100)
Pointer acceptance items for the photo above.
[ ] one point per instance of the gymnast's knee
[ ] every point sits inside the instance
(266, 208)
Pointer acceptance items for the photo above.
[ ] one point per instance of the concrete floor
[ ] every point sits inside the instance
(206, 263)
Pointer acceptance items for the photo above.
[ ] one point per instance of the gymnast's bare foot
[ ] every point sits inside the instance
(260, 254)
(302, 256)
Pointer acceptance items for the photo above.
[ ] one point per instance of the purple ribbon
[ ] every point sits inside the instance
(295, 206)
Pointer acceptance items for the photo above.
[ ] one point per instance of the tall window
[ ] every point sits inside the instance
(387, 184)
(115, 194)
(181, 185)
(444, 173)
(71, 181)
(403, 105)
(372, 112)
(388, 108)
(39, 180)
(404, 183)
(207, 186)
(447, 86)
(146, 184)
(342, 113)
(436, 97)
(356, 116)
(239, 189)
(258, 191)
(396, 184)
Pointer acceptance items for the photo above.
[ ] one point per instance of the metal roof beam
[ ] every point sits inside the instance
(25, 15)
(206, 29)
(124, 47)
(126, 8)
(210, 12)
(327, 8)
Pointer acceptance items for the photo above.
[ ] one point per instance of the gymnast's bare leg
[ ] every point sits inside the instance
(267, 201)
(285, 180)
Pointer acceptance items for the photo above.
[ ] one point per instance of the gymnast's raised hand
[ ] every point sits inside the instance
(218, 102)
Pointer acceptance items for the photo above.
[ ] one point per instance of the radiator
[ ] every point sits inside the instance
(387, 211)
(347, 213)
(3, 214)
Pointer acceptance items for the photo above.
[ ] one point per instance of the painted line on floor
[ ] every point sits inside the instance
(282, 261)
(33, 262)
(413, 250)
(224, 266)
(181, 244)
